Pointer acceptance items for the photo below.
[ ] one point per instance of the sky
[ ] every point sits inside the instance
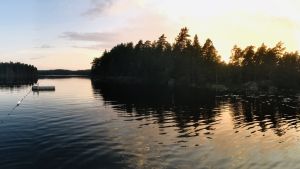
(68, 34)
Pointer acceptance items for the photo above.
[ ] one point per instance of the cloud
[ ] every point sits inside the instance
(95, 46)
(37, 57)
(44, 46)
(93, 36)
(98, 7)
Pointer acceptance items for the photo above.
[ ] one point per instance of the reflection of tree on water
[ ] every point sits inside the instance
(267, 113)
(192, 111)
(17, 84)
(13, 83)
(181, 108)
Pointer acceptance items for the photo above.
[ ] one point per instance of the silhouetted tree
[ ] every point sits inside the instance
(210, 53)
(182, 40)
(186, 62)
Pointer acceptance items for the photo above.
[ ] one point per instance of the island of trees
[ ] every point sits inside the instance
(17, 73)
(186, 62)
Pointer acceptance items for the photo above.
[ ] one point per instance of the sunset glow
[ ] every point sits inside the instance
(65, 34)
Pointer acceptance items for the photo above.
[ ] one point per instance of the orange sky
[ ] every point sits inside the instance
(61, 34)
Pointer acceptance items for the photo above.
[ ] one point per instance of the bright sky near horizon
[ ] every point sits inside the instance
(70, 33)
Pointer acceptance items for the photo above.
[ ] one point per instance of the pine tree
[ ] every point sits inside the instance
(182, 40)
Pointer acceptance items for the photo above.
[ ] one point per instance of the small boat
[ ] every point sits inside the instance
(43, 88)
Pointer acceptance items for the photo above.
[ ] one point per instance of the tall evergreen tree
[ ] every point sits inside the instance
(210, 53)
(182, 40)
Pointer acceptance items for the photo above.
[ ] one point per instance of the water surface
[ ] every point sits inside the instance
(88, 125)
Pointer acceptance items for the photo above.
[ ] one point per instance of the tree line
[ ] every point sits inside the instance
(265, 65)
(186, 62)
(17, 73)
(64, 72)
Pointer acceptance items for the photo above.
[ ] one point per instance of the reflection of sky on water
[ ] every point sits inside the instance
(86, 125)
(235, 132)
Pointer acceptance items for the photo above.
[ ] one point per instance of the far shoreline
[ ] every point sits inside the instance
(63, 73)
(41, 76)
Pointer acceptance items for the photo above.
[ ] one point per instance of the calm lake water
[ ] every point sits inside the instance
(91, 126)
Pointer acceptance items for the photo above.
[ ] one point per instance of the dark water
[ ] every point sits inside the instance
(91, 126)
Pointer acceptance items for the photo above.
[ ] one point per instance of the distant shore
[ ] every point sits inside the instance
(64, 73)
(62, 76)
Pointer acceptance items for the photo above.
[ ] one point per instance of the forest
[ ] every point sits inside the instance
(187, 62)
(17, 73)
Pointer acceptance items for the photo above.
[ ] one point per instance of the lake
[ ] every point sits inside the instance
(90, 126)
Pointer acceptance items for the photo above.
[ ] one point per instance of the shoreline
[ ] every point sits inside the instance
(247, 88)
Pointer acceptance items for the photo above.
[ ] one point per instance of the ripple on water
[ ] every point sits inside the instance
(107, 127)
